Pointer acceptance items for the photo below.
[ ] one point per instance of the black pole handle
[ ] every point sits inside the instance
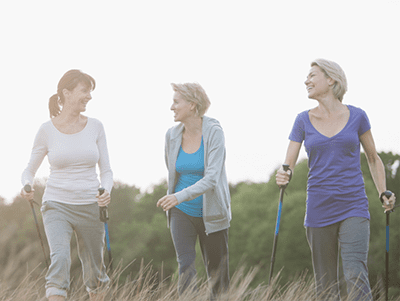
(103, 210)
(387, 194)
(28, 188)
(101, 190)
(286, 167)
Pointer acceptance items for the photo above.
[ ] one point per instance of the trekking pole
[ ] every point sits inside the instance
(278, 221)
(387, 258)
(28, 189)
(388, 194)
(104, 218)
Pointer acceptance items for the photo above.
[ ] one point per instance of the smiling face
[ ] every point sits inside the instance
(78, 98)
(183, 109)
(317, 84)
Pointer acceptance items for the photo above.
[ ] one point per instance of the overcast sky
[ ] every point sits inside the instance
(251, 57)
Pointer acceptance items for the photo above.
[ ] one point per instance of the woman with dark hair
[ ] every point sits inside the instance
(75, 145)
(198, 199)
(337, 215)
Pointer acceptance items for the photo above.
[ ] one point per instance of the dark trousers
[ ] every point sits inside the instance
(214, 248)
(352, 236)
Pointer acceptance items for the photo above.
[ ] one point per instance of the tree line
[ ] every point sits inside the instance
(139, 234)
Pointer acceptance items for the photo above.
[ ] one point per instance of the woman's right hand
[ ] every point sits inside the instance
(282, 177)
(27, 195)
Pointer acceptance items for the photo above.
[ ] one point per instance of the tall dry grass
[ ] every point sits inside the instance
(22, 279)
(146, 286)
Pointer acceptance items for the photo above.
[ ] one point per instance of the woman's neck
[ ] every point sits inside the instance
(329, 105)
(69, 117)
(193, 126)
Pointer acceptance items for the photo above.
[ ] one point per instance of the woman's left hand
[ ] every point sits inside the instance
(388, 204)
(167, 202)
(104, 199)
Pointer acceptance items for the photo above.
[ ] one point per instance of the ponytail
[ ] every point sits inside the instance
(54, 107)
(69, 81)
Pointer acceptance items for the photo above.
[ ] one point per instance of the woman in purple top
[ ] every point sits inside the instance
(337, 206)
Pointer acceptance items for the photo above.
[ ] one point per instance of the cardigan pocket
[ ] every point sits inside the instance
(214, 209)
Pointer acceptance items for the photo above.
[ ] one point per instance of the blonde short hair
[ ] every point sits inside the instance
(193, 92)
(334, 71)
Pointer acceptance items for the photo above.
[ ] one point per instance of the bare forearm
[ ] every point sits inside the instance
(377, 170)
(283, 177)
(292, 154)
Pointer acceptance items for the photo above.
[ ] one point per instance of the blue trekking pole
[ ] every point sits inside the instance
(28, 189)
(104, 218)
(388, 194)
(278, 221)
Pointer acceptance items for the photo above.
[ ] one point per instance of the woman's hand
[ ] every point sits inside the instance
(282, 177)
(388, 204)
(167, 202)
(27, 195)
(104, 199)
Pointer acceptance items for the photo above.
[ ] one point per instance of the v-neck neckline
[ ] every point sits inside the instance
(347, 123)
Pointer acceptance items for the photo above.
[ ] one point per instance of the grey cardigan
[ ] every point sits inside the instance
(214, 185)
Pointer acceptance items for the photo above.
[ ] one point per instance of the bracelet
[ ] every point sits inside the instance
(386, 193)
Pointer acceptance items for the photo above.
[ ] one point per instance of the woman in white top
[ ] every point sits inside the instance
(74, 145)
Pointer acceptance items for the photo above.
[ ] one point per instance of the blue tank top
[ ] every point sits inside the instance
(190, 169)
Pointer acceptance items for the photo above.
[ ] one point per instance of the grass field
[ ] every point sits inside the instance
(22, 279)
(146, 286)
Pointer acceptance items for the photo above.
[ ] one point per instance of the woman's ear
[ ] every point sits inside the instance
(66, 92)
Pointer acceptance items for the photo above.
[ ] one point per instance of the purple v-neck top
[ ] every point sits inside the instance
(335, 188)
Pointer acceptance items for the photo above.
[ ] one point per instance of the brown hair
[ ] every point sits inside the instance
(69, 81)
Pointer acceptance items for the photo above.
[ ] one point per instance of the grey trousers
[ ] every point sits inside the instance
(352, 237)
(60, 222)
(214, 247)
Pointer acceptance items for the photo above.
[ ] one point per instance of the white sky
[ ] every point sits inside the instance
(251, 57)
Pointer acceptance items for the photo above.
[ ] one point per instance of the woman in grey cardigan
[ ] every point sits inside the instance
(198, 200)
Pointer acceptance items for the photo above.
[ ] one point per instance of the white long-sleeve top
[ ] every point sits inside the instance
(73, 158)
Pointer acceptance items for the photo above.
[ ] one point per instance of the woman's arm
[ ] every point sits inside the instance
(106, 174)
(292, 154)
(39, 151)
(168, 201)
(376, 167)
(213, 170)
